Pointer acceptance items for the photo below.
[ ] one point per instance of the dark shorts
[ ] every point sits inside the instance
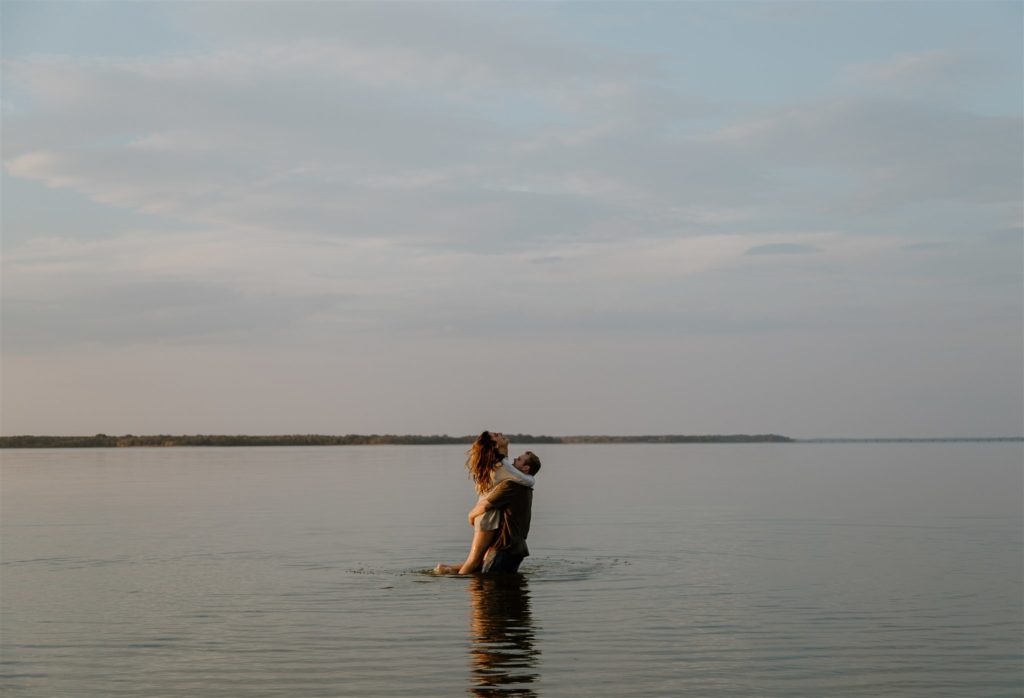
(502, 562)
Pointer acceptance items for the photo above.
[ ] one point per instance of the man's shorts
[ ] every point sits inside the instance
(502, 562)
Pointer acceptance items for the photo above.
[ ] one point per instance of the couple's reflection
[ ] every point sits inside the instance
(502, 653)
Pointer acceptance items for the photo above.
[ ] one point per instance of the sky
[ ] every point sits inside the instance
(550, 218)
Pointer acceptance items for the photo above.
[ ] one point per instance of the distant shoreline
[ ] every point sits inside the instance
(167, 440)
(915, 440)
(186, 440)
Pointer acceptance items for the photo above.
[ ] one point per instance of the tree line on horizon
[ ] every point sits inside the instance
(167, 440)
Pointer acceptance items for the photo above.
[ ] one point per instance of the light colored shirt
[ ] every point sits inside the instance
(507, 471)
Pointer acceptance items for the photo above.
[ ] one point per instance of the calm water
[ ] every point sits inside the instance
(711, 570)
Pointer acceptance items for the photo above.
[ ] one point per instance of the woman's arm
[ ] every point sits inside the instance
(507, 471)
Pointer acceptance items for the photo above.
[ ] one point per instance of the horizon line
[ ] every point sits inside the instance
(313, 439)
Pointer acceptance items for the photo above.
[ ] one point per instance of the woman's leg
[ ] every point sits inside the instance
(481, 542)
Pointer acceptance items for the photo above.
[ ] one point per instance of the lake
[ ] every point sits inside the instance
(657, 570)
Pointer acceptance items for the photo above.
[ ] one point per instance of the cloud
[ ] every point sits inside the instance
(334, 133)
(381, 205)
(782, 248)
(911, 70)
(151, 311)
(891, 153)
(397, 187)
(493, 45)
(1006, 236)
(925, 247)
(155, 287)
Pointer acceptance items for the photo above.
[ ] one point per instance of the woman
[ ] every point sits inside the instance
(486, 461)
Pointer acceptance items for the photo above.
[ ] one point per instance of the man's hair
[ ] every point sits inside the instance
(532, 462)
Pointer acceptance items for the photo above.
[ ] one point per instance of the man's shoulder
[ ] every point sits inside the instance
(505, 485)
(509, 488)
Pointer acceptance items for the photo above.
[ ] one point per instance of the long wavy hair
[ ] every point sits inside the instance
(482, 459)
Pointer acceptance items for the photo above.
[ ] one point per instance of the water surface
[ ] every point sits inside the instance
(711, 570)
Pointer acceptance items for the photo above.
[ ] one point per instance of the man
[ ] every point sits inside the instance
(515, 501)
(501, 546)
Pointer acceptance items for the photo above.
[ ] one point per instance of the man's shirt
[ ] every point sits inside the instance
(515, 502)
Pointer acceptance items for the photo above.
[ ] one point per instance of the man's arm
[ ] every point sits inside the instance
(498, 498)
(501, 496)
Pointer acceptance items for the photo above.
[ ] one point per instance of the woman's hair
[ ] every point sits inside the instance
(482, 459)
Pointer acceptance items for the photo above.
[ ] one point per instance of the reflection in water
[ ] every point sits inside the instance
(502, 654)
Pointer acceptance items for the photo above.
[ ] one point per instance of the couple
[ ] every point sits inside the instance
(501, 517)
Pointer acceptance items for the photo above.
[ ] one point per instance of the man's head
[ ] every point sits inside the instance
(528, 463)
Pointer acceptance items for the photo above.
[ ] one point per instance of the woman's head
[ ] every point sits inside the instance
(500, 443)
(484, 456)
